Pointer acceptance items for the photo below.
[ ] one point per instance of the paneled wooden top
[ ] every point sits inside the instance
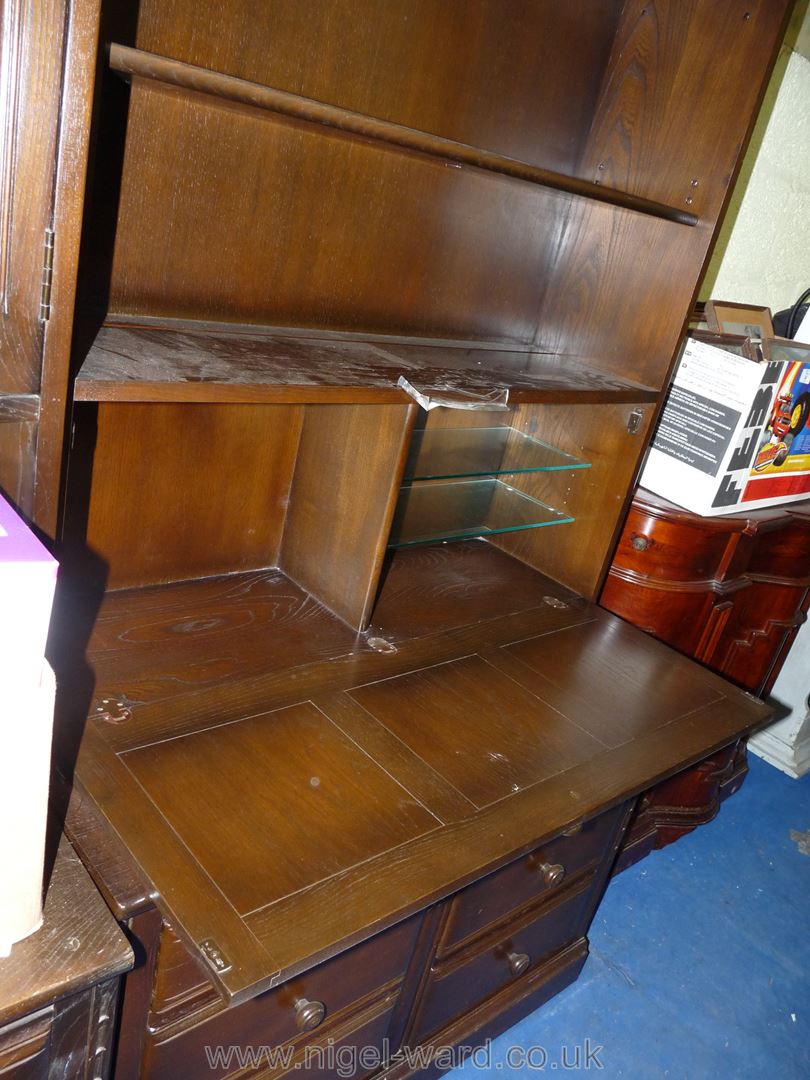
(78, 944)
(214, 362)
(288, 787)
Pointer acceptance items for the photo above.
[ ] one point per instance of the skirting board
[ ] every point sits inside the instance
(785, 746)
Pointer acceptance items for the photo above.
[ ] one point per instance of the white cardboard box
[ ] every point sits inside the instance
(734, 434)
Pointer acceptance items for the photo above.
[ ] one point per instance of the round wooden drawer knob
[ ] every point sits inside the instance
(518, 962)
(553, 873)
(640, 543)
(309, 1014)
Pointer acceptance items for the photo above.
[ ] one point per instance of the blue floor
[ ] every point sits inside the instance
(700, 958)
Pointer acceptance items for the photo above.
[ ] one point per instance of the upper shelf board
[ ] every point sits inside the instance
(216, 363)
(137, 63)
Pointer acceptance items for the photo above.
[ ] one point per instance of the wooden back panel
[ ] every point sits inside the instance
(315, 228)
(672, 119)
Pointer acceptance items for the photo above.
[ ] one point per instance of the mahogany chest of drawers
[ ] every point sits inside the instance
(729, 591)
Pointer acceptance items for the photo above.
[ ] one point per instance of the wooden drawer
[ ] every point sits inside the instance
(470, 976)
(676, 550)
(24, 1046)
(334, 990)
(525, 880)
(359, 1046)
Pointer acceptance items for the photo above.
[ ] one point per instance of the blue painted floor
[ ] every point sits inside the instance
(700, 958)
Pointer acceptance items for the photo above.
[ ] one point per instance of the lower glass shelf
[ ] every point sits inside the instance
(428, 512)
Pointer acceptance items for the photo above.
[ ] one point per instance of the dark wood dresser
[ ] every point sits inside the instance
(59, 988)
(351, 322)
(729, 591)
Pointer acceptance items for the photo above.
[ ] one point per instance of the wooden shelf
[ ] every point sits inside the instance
(136, 62)
(215, 362)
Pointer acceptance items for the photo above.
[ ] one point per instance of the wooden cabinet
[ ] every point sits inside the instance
(730, 591)
(59, 988)
(374, 307)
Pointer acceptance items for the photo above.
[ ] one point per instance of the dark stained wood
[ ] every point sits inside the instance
(613, 286)
(144, 933)
(502, 1010)
(341, 503)
(138, 63)
(182, 986)
(691, 798)
(495, 80)
(59, 987)
(151, 644)
(114, 872)
(459, 983)
(578, 555)
(350, 811)
(468, 76)
(78, 944)
(75, 106)
(281, 786)
(316, 853)
(215, 363)
(431, 789)
(342, 986)
(511, 740)
(17, 446)
(31, 57)
(524, 882)
(175, 475)
(603, 688)
(18, 408)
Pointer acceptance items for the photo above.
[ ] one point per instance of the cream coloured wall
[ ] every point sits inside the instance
(763, 254)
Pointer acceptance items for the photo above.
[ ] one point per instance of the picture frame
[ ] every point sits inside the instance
(785, 349)
(725, 317)
(737, 344)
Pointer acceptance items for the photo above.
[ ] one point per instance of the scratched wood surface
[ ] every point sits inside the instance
(131, 363)
(78, 944)
(457, 743)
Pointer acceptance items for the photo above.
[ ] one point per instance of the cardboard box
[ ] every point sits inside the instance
(734, 433)
(27, 582)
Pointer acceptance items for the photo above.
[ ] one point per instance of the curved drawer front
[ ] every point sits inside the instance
(546, 870)
(651, 546)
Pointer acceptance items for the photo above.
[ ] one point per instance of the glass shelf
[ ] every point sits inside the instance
(445, 453)
(431, 512)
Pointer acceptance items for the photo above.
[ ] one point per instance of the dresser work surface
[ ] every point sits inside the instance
(292, 813)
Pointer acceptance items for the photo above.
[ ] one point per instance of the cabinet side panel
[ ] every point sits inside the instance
(183, 491)
(17, 443)
(346, 482)
(576, 554)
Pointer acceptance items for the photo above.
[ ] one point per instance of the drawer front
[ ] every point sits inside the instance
(546, 869)
(673, 550)
(463, 981)
(25, 1045)
(356, 1051)
(312, 1002)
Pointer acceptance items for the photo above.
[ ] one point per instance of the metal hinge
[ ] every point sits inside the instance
(47, 278)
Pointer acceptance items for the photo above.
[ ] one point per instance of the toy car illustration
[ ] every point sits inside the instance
(787, 421)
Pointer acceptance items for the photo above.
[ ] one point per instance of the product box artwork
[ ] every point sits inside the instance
(734, 433)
